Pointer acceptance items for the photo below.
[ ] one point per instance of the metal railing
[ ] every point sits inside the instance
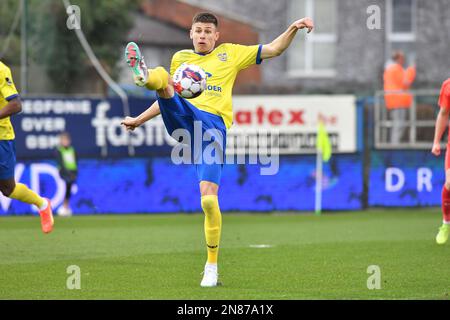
(418, 129)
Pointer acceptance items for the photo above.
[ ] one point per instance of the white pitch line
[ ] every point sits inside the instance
(261, 246)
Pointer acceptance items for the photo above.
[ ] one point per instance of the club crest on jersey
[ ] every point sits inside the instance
(222, 56)
(8, 81)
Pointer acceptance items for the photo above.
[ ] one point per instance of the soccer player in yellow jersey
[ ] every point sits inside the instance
(9, 105)
(213, 108)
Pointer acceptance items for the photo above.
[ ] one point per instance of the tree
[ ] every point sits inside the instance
(9, 42)
(56, 47)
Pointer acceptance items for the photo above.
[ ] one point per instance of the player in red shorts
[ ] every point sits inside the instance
(441, 125)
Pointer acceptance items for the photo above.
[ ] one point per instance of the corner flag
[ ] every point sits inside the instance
(323, 142)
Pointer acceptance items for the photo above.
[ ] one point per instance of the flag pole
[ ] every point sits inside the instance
(318, 202)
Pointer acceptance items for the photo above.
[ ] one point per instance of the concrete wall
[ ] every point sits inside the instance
(360, 52)
(433, 43)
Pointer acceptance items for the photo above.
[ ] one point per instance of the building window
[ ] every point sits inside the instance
(314, 54)
(401, 28)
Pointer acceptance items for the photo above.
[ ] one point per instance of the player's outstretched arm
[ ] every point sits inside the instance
(441, 125)
(131, 123)
(14, 106)
(280, 44)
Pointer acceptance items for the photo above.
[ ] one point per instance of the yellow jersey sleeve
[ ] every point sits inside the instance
(8, 90)
(245, 56)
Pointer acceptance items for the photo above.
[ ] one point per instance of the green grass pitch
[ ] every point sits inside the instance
(162, 256)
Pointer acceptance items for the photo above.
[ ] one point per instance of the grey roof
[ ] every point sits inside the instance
(154, 32)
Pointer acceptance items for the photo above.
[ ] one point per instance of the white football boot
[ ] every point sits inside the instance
(210, 276)
(64, 212)
(61, 211)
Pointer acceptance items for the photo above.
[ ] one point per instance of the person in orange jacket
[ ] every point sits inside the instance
(397, 81)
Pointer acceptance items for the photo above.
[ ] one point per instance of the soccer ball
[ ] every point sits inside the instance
(189, 81)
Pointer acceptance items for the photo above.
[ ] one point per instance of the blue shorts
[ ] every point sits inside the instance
(7, 159)
(207, 132)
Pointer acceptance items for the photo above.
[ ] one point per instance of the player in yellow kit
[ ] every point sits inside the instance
(213, 108)
(9, 105)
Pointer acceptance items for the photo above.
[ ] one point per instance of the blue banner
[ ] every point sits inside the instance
(405, 178)
(155, 184)
(94, 125)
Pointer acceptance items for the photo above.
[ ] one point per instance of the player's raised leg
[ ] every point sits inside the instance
(21, 192)
(213, 227)
(9, 188)
(157, 79)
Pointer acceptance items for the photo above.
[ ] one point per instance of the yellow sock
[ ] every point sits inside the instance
(158, 79)
(213, 226)
(22, 193)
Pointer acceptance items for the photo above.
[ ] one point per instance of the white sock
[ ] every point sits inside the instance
(44, 206)
(211, 265)
(446, 222)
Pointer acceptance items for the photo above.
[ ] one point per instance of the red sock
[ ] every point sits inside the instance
(446, 204)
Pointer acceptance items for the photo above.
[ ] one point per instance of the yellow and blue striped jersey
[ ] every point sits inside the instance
(221, 66)
(8, 92)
